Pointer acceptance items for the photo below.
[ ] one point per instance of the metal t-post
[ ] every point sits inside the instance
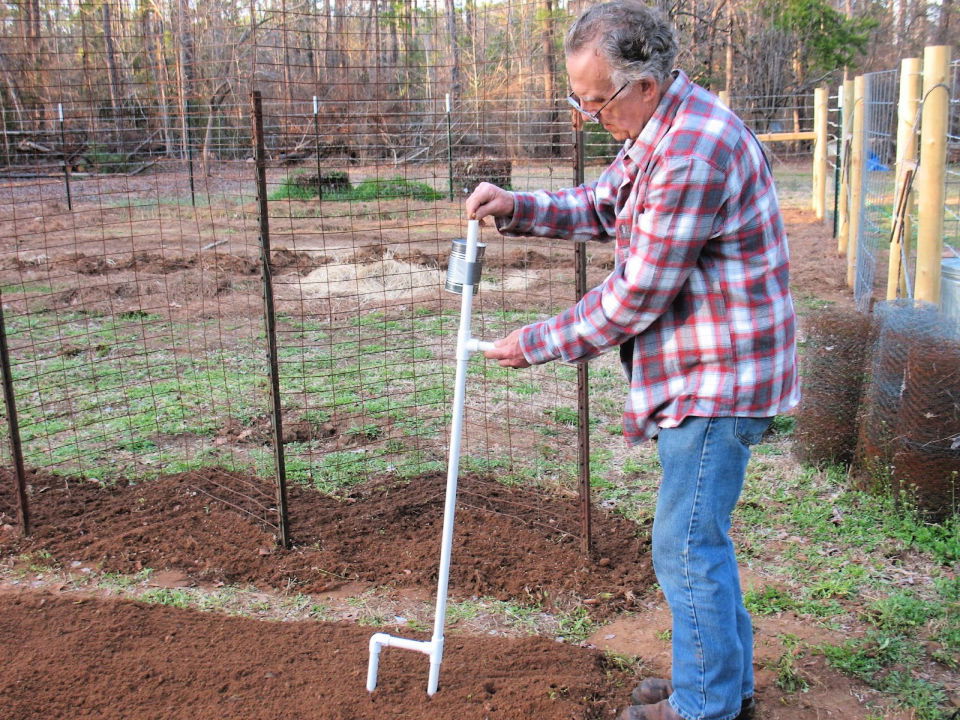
(583, 374)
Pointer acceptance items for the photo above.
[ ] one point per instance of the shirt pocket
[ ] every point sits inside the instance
(629, 205)
(623, 229)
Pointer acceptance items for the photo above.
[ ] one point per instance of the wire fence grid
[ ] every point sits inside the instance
(131, 277)
(834, 160)
(132, 291)
(879, 186)
(879, 208)
(951, 233)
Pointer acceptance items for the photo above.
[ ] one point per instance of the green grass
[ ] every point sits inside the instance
(833, 545)
(367, 190)
(96, 392)
(175, 597)
(576, 625)
(886, 661)
(789, 676)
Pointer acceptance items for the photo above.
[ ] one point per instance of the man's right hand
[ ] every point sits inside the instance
(488, 199)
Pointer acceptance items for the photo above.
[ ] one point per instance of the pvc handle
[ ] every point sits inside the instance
(474, 345)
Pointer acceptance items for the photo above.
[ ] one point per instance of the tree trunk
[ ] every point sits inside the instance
(155, 32)
(110, 55)
(184, 74)
(940, 31)
(550, 78)
(213, 107)
(456, 82)
(728, 59)
(287, 76)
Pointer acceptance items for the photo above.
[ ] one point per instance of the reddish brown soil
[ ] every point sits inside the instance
(510, 543)
(98, 659)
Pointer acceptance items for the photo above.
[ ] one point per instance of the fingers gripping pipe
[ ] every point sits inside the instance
(463, 276)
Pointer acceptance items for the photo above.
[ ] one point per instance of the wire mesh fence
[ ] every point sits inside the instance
(133, 292)
(834, 160)
(879, 179)
(146, 334)
(951, 231)
(781, 113)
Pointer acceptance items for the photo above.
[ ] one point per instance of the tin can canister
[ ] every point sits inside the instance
(459, 271)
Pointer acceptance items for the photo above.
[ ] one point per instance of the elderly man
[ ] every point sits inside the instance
(698, 305)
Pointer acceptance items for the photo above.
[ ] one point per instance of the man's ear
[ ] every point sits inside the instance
(649, 89)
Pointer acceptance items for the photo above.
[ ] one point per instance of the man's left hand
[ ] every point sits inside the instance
(507, 351)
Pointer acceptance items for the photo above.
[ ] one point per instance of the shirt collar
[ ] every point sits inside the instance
(638, 150)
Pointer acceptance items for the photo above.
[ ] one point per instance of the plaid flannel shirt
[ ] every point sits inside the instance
(699, 297)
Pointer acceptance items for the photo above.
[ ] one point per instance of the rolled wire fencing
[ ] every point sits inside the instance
(909, 439)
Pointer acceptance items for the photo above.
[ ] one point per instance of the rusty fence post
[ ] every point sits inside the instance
(270, 319)
(16, 449)
(583, 374)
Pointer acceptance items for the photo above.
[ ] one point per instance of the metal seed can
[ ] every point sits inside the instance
(459, 271)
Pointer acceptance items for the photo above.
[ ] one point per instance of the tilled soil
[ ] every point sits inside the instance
(510, 543)
(94, 658)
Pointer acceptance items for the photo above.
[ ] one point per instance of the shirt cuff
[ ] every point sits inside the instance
(524, 214)
(537, 345)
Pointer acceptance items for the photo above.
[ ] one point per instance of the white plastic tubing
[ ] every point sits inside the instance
(466, 345)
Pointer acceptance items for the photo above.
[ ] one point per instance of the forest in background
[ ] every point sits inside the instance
(371, 78)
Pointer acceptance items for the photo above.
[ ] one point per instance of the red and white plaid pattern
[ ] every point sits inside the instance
(701, 275)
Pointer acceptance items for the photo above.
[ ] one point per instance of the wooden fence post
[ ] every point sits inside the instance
(845, 141)
(820, 107)
(856, 176)
(932, 172)
(724, 97)
(909, 103)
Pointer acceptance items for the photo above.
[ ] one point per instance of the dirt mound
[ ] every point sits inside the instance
(510, 543)
(151, 263)
(85, 658)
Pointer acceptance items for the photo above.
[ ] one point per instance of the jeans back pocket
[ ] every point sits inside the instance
(749, 430)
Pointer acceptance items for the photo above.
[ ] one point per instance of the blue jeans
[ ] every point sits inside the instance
(704, 461)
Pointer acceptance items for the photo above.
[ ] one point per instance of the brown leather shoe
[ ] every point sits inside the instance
(664, 711)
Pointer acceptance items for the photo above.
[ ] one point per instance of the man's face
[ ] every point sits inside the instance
(628, 112)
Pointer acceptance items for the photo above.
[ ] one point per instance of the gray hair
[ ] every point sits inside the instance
(637, 41)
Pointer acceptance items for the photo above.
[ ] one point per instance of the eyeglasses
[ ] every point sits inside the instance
(575, 103)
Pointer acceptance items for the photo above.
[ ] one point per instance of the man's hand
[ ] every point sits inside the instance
(488, 199)
(507, 351)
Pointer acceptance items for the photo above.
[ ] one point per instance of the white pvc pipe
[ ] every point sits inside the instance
(465, 346)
